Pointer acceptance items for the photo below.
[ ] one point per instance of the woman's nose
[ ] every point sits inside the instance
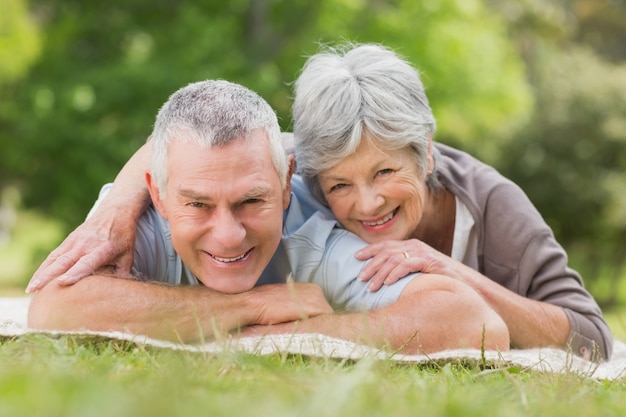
(369, 201)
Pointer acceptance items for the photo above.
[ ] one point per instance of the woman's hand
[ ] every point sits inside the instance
(107, 238)
(392, 260)
(104, 241)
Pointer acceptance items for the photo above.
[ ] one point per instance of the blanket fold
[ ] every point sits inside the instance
(13, 315)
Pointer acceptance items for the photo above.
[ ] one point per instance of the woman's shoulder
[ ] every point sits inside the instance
(473, 181)
(496, 203)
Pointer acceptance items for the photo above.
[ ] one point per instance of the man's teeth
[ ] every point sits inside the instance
(381, 221)
(227, 260)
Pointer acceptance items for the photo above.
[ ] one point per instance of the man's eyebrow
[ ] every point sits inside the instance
(255, 192)
(192, 194)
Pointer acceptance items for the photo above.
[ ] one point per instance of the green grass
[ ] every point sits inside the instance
(66, 377)
(44, 376)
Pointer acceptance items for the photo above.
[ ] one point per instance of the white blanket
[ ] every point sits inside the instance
(13, 312)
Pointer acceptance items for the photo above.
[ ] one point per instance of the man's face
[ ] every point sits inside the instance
(225, 210)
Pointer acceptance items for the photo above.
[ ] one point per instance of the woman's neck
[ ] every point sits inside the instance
(437, 225)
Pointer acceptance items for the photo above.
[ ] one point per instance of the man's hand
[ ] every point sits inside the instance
(105, 241)
(279, 303)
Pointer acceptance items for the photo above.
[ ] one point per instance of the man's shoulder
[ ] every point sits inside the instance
(302, 207)
(155, 257)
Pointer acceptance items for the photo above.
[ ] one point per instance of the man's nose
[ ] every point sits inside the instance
(226, 229)
(369, 200)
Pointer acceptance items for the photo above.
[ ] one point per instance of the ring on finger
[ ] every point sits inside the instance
(406, 254)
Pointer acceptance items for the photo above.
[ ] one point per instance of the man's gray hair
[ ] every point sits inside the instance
(354, 91)
(213, 113)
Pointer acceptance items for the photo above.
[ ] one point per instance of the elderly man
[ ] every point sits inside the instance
(219, 186)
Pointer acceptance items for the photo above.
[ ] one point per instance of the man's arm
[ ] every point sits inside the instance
(107, 237)
(176, 313)
(432, 314)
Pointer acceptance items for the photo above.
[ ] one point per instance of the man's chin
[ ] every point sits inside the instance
(229, 285)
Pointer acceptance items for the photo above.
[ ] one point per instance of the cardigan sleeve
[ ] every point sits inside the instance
(521, 253)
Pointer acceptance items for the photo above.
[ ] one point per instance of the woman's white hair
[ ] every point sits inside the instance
(213, 113)
(353, 92)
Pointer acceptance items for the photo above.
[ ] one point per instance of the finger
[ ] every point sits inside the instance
(372, 250)
(372, 266)
(409, 266)
(395, 268)
(400, 271)
(52, 268)
(379, 278)
(375, 284)
(87, 264)
(82, 268)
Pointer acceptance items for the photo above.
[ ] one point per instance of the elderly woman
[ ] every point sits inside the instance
(363, 133)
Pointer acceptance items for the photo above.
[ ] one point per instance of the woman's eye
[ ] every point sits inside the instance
(385, 171)
(337, 187)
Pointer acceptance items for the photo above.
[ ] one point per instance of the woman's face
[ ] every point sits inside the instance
(378, 195)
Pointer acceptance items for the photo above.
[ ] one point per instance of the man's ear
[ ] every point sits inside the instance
(287, 189)
(155, 195)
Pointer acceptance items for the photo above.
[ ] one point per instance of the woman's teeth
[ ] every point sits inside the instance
(381, 221)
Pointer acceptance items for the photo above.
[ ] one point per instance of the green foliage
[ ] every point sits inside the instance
(70, 376)
(571, 157)
(105, 69)
(19, 40)
(473, 75)
(81, 82)
(602, 27)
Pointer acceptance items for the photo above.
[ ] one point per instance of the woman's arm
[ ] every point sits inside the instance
(107, 238)
(526, 279)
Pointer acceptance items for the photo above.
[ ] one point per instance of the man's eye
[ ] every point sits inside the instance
(252, 201)
(197, 204)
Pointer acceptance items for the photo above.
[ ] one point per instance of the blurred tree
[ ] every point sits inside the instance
(602, 27)
(475, 79)
(571, 157)
(19, 40)
(19, 48)
(512, 81)
(105, 69)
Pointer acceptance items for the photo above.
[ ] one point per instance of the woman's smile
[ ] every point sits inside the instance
(376, 194)
(380, 221)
